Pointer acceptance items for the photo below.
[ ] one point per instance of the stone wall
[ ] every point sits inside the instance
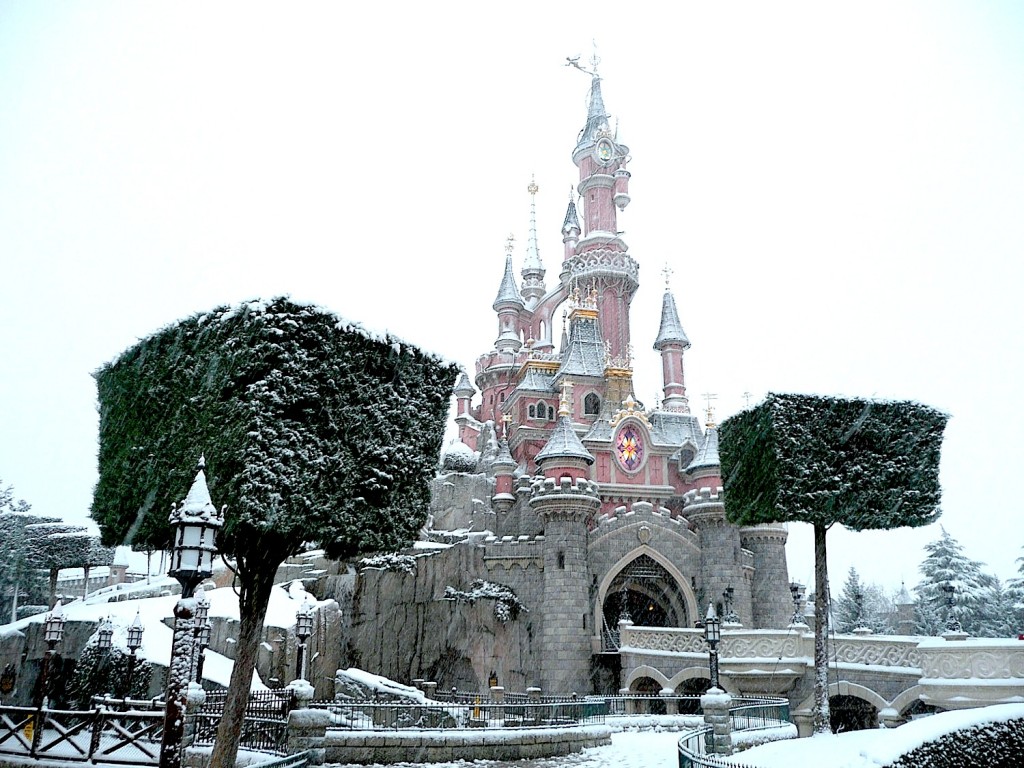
(404, 629)
(474, 744)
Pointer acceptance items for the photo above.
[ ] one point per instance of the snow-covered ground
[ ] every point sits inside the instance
(858, 749)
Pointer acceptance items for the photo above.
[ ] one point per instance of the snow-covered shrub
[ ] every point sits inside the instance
(459, 457)
(390, 562)
(993, 745)
(507, 606)
(99, 672)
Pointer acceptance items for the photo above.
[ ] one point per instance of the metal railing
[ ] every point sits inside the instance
(433, 715)
(264, 724)
(696, 747)
(99, 735)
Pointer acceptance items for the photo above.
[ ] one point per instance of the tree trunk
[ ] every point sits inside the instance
(53, 586)
(256, 584)
(822, 719)
(14, 603)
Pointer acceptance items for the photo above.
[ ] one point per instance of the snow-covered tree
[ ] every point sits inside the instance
(312, 428)
(946, 565)
(19, 575)
(862, 606)
(823, 460)
(56, 546)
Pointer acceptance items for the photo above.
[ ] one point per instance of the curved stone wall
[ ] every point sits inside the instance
(475, 744)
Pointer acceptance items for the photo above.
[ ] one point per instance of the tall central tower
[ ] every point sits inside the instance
(600, 262)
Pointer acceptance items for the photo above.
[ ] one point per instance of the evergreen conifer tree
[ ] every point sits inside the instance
(20, 576)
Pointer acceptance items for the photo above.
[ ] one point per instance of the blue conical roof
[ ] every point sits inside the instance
(507, 292)
(564, 443)
(671, 330)
(707, 456)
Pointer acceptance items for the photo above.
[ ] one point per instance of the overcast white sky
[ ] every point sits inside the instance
(839, 190)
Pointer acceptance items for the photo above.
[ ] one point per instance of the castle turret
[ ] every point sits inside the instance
(672, 342)
(566, 503)
(509, 305)
(570, 236)
(723, 562)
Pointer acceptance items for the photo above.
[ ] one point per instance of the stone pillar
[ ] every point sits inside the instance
(721, 558)
(430, 689)
(715, 704)
(307, 728)
(804, 722)
(671, 702)
(194, 700)
(629, 702)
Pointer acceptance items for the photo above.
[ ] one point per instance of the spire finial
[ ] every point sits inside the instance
(746, 399)
(533, 189)
(594, 59)
(708, 397)
(667, 272)
(532, 262)
(509, 244)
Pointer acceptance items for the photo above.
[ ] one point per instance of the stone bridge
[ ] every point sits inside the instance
(892, 673)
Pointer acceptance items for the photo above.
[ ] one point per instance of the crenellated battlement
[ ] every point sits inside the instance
(514, 551)
(548, 486)
(641, 509)
(704, 496)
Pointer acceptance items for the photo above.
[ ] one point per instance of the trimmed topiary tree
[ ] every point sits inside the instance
(313, 430)
(824, 460)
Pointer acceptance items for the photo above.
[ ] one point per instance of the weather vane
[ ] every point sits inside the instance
(574, 61)
(746, 397)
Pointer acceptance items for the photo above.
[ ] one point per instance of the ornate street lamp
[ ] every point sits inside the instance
(713, 633)
(303, 629)
(797, 591)
(105, 635)
(952, 624)
(134, 643)
(194, 524)
(53, 631)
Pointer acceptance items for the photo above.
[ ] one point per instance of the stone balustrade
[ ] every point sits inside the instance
(887, 670)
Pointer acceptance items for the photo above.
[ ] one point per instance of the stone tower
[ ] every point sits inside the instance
(565, 501)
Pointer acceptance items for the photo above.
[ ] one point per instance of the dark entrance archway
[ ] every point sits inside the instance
(848, 713)
(646, 594)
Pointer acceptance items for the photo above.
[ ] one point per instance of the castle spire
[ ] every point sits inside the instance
(533, 268)
(672, 342)
(597, 115)
(508, 304)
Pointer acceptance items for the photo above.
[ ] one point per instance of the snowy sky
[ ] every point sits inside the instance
(837, 188)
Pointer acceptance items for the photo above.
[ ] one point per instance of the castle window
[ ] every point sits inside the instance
(502, 397)
(532, 411)
(591, 404)
(561, 560)
(551, 413)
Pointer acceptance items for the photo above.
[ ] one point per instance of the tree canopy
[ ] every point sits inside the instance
(824, 460)
(312, 428)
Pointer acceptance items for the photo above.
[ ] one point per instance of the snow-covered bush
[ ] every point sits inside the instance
(99, 672)
(993, 745)
(390, 562)
(507, 606)
(459, 457)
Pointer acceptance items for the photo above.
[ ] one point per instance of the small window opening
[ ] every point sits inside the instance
(561, 560)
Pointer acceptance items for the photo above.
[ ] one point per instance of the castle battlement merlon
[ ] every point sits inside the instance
(704, 495)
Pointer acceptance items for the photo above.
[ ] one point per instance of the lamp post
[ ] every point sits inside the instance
(53, 631)
(952, 625)
(134, 643)
(199, 619)
(104, 635)
(303, 629)
(194, 524)
(713, 633)
(797, 591)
